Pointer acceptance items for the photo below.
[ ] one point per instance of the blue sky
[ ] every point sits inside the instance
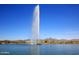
(56, 21)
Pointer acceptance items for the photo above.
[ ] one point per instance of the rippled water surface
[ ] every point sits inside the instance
(53, 49)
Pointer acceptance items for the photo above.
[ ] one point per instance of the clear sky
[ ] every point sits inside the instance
(56, 21)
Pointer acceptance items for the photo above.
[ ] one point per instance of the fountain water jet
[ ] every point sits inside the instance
(35, 31)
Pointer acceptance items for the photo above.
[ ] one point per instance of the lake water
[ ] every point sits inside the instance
(52, 49)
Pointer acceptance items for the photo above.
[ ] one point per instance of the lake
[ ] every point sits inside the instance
(51, 49)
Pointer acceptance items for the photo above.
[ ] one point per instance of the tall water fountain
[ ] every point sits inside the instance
(35, 31)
